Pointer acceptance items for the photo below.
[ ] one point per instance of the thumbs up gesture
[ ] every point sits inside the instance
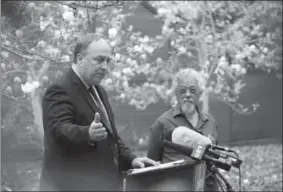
(96, 130)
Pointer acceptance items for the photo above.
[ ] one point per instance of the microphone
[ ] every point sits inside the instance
(195, 145)
(189, 150)
(185, 136)
(220, 148)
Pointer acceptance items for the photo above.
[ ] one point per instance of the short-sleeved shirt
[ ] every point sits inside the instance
(167, 122)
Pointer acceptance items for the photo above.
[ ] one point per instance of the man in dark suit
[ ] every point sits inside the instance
(83, 151)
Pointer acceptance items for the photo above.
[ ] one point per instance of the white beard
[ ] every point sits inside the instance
(188, 109)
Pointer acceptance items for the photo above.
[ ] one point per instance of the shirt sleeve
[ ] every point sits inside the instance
(155, 148)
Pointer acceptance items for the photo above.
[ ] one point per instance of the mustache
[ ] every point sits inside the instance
(101, 72)
(188, 99)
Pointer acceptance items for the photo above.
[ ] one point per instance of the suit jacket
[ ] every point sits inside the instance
(70, 162)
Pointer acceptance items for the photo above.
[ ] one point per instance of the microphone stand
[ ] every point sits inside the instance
(215, 172)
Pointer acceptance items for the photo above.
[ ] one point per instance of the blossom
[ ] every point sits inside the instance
(3, 66)
(137, 48)
(246, 181)
(117, 56)
(112, 43)
(243, 71)
(182, 49)
(236, 67)
(108, 81)
(148, 49)
(239, 56)
(162, 11)
(223, 62)
(112, 33)
(265, 50)
(127, 70)
(125, 84)
(30, 87)
(68, 16)
(158, 60)
(143, 56)
(253, 48)
(19, 33)
(117, 74)
(41, 43)
(4, 54)
(122, 95)
(145, 39)
(146, 84)
(65, 58)
(128, 60)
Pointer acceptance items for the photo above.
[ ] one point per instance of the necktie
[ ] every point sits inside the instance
(100, 106)
(103, 110)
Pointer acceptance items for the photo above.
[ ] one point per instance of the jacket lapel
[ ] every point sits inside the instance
(85, 93)
(107, 106)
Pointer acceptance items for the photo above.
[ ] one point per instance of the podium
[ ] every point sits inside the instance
(173, 176)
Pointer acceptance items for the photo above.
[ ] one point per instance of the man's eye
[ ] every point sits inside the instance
(193, 90)
(102, 59)
(99, 59)
(182, 91)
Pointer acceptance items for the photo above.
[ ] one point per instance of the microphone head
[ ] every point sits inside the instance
(185, 136)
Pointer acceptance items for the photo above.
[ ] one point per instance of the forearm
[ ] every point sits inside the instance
(155, 148)
(71, 133)
(126, 155)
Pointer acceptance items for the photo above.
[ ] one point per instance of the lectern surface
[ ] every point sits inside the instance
(173, 176)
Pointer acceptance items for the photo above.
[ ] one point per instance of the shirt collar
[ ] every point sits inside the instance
(177, 111)
(76, 72)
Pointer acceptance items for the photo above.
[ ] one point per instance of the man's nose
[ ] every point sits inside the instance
(104, 65)
(188, 94)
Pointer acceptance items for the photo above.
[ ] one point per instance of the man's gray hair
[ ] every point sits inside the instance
(186, 75)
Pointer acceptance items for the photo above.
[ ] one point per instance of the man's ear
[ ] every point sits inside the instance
(79, 58)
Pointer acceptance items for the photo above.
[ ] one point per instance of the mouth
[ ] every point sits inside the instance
(188, 101)
(100, 74)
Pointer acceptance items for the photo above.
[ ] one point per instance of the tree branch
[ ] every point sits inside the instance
(147, 6)
(43, 69)
(75, 5)
(214, 34)
(13, 71)
(16, 53)
(31, 58)
(202, 55)
(211, 20)
(232, 106)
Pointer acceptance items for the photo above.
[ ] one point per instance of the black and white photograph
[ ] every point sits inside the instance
(141, 95)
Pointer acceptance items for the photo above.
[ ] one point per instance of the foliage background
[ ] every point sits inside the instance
(36, 46)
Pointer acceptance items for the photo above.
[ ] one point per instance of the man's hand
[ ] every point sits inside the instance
(96, 130)
(141, 162)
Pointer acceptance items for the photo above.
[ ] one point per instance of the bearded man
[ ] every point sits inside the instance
(188, 88)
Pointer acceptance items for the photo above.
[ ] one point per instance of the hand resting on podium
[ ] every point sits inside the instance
(156, 167)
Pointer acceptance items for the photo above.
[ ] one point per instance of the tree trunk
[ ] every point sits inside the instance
(37, 114)
(205, 101)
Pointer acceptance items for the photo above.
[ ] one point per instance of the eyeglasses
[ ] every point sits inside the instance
(102, 59)
(191, 89)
